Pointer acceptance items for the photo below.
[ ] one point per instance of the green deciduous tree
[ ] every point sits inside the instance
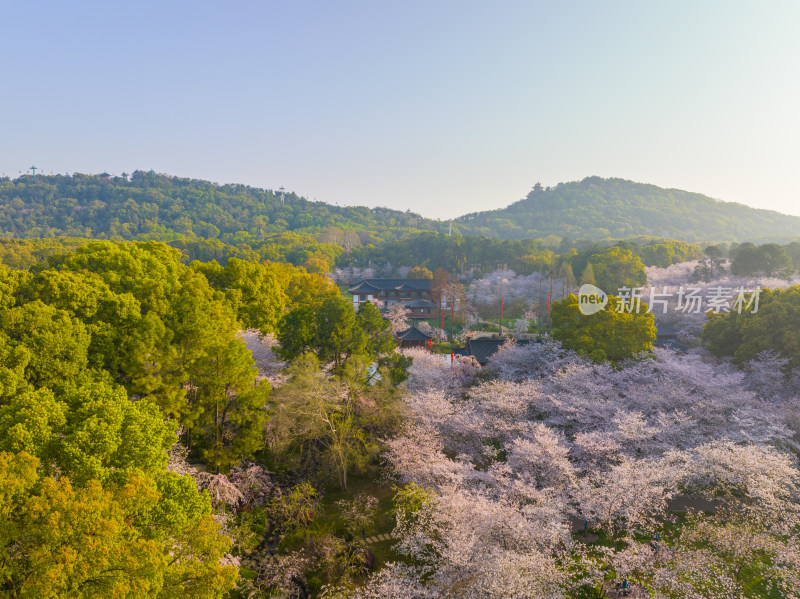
(219, 405)
(616, 268)
(769, 259)
(338, 336)
(774, 326)
(419, 272)
(376, 329)
(324, 424)
(332, 332)
(587, 276)
(232, 407)
(59, 540)
(57, 345)
(314, 419)
(610, 334)
(711, 265)
(350, 341)
(297, 333)
(251, 288)
(91, 431)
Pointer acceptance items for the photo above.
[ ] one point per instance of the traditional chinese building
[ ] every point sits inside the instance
(667, 336)
(666, 332)
(413, 337)
(414, 294)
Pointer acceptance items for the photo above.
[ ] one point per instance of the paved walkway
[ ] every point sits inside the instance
(379, 538)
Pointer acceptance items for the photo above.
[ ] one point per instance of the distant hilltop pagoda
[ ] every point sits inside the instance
(538, 187)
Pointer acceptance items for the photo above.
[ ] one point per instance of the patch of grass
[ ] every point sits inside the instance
(384, 519)
(383, 553)
(601, 539)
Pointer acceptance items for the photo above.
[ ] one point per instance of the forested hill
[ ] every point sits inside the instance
(147, 205)
(597, 208)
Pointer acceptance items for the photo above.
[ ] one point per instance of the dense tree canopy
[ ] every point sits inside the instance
(768, 259)
(147, 205)
(547, 475)
(597, 208)
(616, 268)
(772, 325)
(431, 250)
(121, 540)
(457, 255)
(319, 422)
(154, 206)
(106, 352)
(339, 335)
(614, 334)
(89, 508)
(111, 351)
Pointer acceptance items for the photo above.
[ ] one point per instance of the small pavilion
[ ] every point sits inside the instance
(413, 337)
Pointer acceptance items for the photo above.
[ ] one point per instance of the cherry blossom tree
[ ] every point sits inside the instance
(514, 362)
(358, 512)
(469, 545)
(253, 482)
(279, 575)
(631, 495)
(759, 483)
(269, 366)
(430, 371)
(520, 327)
(505, 462)
(392, 581)
(507, 284)
(397, 315)
(224, 494)
(543, 459)
(438, 334)
(720, 559)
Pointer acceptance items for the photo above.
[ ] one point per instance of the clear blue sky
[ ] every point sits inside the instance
(443, 108)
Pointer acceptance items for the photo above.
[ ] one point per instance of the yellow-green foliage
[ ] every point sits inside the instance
(610, 334)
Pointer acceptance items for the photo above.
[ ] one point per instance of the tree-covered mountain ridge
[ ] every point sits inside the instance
(147, 205)
(597, 208)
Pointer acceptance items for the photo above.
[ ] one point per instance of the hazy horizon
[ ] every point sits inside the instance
(442, 109)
